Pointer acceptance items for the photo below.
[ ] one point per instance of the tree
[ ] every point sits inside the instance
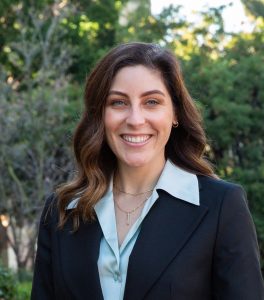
(254, 7)
(34, 143)
(229, 89)
(93, 27)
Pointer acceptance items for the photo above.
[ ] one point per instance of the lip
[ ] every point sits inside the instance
(136, 139)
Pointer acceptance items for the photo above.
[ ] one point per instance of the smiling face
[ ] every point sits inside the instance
(138, 117)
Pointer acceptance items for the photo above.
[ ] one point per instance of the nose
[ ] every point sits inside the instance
(135, 116)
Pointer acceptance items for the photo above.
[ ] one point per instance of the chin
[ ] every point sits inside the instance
(136, 163)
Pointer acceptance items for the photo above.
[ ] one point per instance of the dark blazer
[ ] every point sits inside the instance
(183, 252)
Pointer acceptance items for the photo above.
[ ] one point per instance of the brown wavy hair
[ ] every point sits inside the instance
(95, 160)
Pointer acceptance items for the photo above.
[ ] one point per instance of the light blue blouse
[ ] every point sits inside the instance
(113, 261)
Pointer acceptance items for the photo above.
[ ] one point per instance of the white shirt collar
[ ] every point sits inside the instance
(177, 182)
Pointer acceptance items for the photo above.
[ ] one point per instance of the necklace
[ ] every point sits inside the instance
(129, 212)
(131, 194)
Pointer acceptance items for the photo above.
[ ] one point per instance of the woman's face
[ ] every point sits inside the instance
(138, 117)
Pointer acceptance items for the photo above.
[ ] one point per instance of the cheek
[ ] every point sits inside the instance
(112, 120)
(163, 122)
(108, 123)
(111, 125)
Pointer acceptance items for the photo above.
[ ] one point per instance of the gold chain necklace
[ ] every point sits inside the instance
(129, 212)
(131, 194)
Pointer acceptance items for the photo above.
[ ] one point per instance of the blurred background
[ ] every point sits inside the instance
(47, 48)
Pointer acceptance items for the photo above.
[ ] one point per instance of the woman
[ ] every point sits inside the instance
(145, 217)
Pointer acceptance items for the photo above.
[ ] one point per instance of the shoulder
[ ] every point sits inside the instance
(215, 184)
(228, 205)
(217, 191)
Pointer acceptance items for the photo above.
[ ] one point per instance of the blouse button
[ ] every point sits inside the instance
(117, 277)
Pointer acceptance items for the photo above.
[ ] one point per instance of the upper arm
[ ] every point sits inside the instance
(236, 269)
(42, 287)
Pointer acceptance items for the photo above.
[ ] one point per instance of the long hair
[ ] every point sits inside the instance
(95, 160)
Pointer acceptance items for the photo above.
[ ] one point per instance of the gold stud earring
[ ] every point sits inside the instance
(175, 125)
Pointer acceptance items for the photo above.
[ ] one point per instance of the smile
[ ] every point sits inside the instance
(136, 139)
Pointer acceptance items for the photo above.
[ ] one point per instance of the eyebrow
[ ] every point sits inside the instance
(113, 92)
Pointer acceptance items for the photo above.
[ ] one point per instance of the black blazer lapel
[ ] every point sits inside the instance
(79, 253)
(164, 232)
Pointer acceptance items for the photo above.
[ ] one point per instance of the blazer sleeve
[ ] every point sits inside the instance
(42, 287)
(236, 266)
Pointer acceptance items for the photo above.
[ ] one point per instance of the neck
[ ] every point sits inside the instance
(138, 179)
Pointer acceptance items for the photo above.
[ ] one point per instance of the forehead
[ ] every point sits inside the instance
(138, 76)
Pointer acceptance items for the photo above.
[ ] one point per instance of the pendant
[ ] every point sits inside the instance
(128, 219)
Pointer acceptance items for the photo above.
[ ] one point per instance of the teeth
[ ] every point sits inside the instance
(135, 139)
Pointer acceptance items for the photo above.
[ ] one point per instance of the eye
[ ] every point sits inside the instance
(117, 102)
(152, 102)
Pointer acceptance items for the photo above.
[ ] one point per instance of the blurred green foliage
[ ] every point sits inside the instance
(7, 284)
(47, 48)
(11, 288)
(23, 290)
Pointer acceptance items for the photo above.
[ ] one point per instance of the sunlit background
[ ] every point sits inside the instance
(234, 14)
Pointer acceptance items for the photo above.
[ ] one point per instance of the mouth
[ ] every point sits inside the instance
(136, 139)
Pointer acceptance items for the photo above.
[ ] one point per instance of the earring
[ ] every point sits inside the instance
(175, 125)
